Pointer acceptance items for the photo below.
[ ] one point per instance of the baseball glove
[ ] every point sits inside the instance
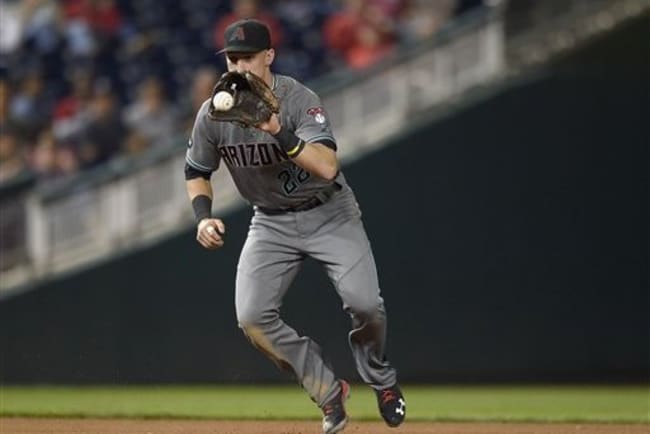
(253, 101)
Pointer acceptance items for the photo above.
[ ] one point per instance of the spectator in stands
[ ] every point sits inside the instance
(299, 14)
(242, 9)
(70, 114)
(67, 161)
(12, 156)
(50, 159)
(11, 26)
(105, 17)
(204, 80)
(106, 20)
(43, 157)
(339, 30)
(30, 107)
(134, 144)
(303, 54)
(391, 8)
(421, 19)
(369, 47)
(4, 102)
(80, 38)
(105, 37)
(152, 115)
(361, 34)
(103, 136)
(93, 30)
(202, 84)
(42, 25)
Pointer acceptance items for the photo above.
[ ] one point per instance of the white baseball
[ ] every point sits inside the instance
(222, 101)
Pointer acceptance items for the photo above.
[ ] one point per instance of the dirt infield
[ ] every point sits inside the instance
(122, 426)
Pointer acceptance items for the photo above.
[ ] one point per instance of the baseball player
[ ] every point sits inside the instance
(287, 169)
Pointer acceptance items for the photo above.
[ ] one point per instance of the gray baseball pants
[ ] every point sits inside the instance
(333, 235)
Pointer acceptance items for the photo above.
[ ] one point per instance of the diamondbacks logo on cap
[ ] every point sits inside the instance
(238, 35)
(247, 36)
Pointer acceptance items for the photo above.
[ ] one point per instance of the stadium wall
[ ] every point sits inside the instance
(511, 241)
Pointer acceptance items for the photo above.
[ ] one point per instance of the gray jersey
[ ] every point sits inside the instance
(277, 243)
(261, 170)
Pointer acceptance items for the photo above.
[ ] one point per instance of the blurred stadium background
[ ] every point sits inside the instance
(499, 150)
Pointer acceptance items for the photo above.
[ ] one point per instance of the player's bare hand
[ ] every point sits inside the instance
(209, 233)
(272, 126)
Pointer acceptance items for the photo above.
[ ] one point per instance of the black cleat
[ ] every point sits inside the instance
(392, 406)
(334, 416)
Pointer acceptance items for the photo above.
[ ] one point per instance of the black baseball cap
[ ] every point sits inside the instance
(246, 36)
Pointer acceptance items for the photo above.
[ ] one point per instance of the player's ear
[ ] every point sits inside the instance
(269, 56)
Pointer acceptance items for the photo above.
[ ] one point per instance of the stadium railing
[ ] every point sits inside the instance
(129, 204)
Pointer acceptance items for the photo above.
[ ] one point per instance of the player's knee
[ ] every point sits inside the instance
(252, 317)
(364, 308)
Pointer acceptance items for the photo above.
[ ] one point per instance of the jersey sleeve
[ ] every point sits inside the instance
(202, 151)
(312, 121)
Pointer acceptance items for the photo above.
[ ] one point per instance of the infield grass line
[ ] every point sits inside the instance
(570, 404)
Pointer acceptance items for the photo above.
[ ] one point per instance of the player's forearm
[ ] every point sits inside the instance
(316, 158)
(319, 160)
(200, 192)
(198, 187)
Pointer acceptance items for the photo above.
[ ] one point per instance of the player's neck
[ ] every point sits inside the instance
(269, 78)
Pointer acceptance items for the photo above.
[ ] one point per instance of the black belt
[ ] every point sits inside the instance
(318, 199)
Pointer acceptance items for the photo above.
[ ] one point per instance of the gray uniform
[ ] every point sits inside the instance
(297, 215)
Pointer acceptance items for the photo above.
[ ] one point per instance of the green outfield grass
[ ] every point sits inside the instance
(435, 403)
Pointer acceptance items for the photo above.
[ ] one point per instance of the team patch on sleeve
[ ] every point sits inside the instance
(318, 113)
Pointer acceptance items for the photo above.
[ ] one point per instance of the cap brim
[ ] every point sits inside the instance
(240, 49)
